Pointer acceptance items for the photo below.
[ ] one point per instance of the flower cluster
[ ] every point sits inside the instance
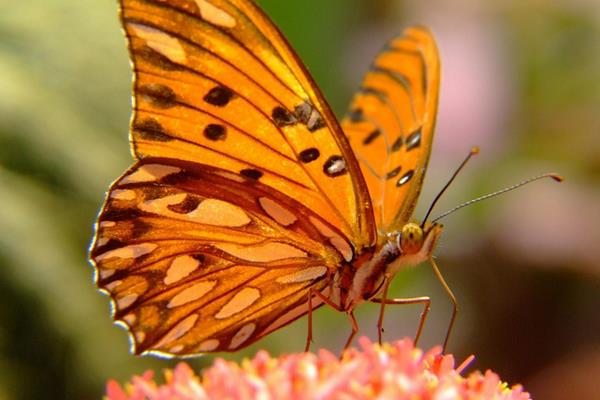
(390, 371)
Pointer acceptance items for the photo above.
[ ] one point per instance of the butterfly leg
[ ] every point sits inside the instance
(325, 300)
(438, 274)
(354, 329)
(412, 300)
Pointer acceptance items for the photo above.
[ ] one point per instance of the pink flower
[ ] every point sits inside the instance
(391, 371)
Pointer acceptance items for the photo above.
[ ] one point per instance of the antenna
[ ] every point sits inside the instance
(474, 150)
(552, 175)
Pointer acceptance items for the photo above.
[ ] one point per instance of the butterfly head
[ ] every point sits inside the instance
(410, 239)
(410, 246)
(416, 240)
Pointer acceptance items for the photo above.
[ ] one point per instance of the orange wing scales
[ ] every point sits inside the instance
(246, 194)
(216, 82)
(390, 124)
(191, 253)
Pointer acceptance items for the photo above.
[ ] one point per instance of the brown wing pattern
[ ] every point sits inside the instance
(216, 83)
(197, 259)
(390, 124)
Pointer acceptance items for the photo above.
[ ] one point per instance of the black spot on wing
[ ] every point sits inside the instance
(398, 77)
(393, 173)
(153, 191)
(111, 244)
(283, 117)
(309, 155)
(397, 145)
(151, 129)
(139, 228)
(218, 96)
(309, 116)
(335, 166)
(371, 91)
(405, 178)
(188, 205)
(356, 115)
(215, 132)
(303, 111)
(251, 174)
(371, 137)
(201, 258)
(316, 122)
(156, 59)
(413, 140)
(182, 177)
(159, 96)
(116, 214)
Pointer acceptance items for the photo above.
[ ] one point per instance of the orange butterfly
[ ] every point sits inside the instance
(249, 205)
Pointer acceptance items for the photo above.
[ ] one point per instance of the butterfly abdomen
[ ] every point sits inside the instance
(361, 280)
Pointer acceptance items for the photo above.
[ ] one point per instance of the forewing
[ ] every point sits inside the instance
(391, 121)
(197, 259)
(216, 83)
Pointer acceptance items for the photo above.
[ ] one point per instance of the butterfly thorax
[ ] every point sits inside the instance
(364, 279)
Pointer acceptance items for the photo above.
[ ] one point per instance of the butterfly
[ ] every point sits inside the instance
(249, 205)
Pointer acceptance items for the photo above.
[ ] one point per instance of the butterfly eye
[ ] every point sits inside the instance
(411, 239)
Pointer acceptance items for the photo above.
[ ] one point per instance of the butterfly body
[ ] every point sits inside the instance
(362, 281)
(249, 204)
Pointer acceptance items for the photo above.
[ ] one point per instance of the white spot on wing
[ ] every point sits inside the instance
(160, 206)
(160, 41)
(343, 247)
(336, 166)
(105, 272)
(176, 348)
(123, 194)
(208, 345)
(130, 319)
(304, 275)
(209, 212)
(181, 267)
(126, 301)
(178, 331)
(405, 178)
(219, 213)
(242, 335)
(414, 140)
(149, 173)
(139, 337)
(336, 240)
(112, 285)
(278, 213)
(230, 176)
(131, 251)
(215, 15)
(262, 253)
(321, 227)
(191, 293)
(107, 224)
(239, 302)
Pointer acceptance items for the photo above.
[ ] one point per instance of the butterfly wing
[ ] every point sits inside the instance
(197, 260)
(391, 121)
(246, 194)
(216, 83)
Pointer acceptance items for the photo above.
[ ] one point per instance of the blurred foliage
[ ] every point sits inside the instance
(64, 113)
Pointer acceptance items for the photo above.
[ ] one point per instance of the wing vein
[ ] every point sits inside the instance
(216, 117)
(227, 34)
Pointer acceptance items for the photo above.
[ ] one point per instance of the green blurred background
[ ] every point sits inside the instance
(521, 79)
